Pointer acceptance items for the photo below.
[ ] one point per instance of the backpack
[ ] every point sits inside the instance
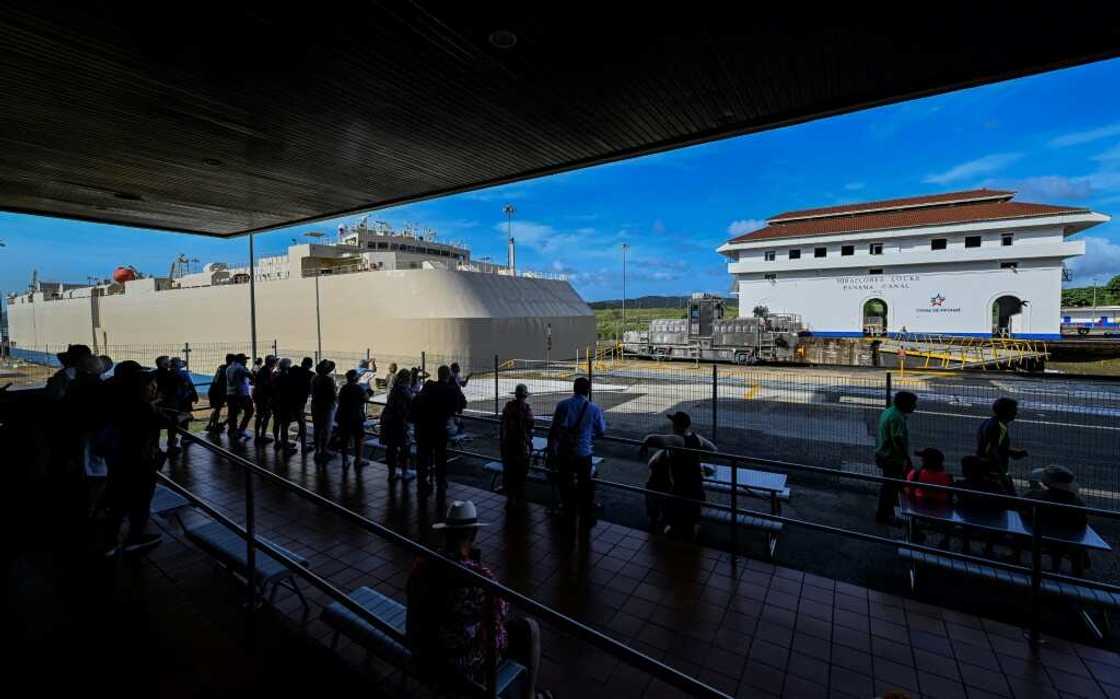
(567, 445)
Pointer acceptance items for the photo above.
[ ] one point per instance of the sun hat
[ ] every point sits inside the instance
(1056, 477)
(462, 514)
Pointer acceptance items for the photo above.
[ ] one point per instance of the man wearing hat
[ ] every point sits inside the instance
(517, 446)
(680, 473)
(324, 398)
(446, 624)
(75, 359)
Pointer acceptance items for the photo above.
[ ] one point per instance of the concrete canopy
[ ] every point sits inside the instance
(231, 118)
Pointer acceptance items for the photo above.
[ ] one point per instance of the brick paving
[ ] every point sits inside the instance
(746, 627)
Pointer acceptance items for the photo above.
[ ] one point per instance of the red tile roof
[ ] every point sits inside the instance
(893, 215)
(970, 195)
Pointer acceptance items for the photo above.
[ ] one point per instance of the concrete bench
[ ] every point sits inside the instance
(1080, 595)
(746, 520)
(392, 647)
(229, 549)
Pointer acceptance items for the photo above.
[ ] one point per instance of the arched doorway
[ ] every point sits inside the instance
(874, 317)
(1006, 312)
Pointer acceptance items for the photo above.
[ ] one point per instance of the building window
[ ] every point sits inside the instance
(795, 254)
(877, 270)
(1008, 239)
(972, 241)
(771, 277)
(769, 255)
(938, 244)
(1009, 265)
(876, 248)
(820, 252)
(846, 250)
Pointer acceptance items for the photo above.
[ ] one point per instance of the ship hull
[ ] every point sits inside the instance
(465, 316)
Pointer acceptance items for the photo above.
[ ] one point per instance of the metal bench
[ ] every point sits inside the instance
(1080, 595)
(347, 623)
(166, 502)
(746, 520)
(229, 549)
(496, 470)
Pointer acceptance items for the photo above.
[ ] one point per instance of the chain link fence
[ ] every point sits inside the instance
(812, 416)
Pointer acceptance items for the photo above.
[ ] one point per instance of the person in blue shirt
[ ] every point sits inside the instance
(575, 425)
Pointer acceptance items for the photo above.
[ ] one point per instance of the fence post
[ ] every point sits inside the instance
(423, 364)
(496, 411)
(734, 510)
(250, 555)
(187, 355)
(1036, 577)
(715, 402)
(275, 348)
(367, 354)
(889, 389)
(590, 374)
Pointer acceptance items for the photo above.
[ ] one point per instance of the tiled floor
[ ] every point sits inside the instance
(746, 627)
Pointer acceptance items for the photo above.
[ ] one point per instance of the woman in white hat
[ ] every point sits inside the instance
(445, 623)
(1057, 484)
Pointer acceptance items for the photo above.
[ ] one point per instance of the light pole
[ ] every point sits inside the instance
(625, 247)
(511, 253)
(318, 320)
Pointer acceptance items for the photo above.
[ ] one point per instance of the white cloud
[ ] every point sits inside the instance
(1089, 135)
(1111, 154)
(854, 186)
(745, 225)
(1100, 262)
(972, 168)
(1046, 189)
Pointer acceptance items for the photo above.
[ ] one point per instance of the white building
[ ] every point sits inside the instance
(1104, 317)
(969, 263)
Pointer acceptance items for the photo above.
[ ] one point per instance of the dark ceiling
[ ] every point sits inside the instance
(229, 118)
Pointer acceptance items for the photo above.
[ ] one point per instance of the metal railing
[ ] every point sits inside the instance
(734, 461)
(492, 588)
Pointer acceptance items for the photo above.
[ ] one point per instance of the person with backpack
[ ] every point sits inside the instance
(217, 396)
(678, 472)
(517, 446)
(576, 423)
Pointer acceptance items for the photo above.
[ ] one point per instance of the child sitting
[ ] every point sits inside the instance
(932, 471)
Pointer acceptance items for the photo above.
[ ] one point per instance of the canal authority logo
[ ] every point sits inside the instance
(936, 301)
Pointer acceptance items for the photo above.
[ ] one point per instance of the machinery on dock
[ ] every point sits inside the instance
(705, 334)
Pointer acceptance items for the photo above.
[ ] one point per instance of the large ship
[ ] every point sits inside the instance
(397, 293)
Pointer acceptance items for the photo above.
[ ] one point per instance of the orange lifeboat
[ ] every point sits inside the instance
(124, 273)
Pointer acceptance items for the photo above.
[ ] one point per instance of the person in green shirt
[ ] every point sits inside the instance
(892, 451)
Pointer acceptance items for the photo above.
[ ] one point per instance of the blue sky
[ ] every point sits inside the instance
(1055, 138)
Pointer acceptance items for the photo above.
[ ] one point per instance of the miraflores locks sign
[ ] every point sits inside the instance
(877, 282)
(882, 282)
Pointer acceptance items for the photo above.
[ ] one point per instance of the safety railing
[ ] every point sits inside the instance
(734, 461)
(492, 588)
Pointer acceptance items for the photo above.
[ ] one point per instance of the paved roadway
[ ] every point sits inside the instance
(828, 418)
